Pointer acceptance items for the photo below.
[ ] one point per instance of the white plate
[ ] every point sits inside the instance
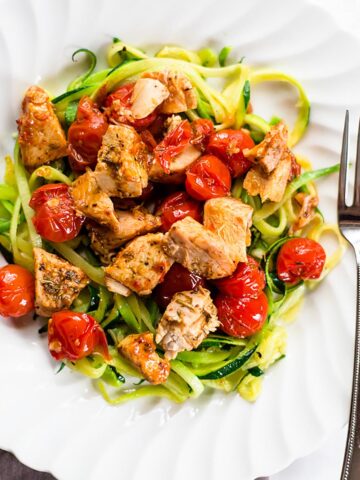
(58, 422)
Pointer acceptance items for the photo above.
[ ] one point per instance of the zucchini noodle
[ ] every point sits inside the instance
(270, 231)
(331, 260)
(80, 80)
(191, 379)
(25, 195)
(48, 173)
(133, 394)
(302, 121)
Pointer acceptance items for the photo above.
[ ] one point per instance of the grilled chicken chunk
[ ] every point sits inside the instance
(57, 282)
(177, 166)
(148, 94)
(270, 187)
(187, 320)
(308, 203)
(131, 223)
(92, 201)
(199, 250)
(140, 350)
(122, 165)
(41, 136)
(182, 94)
(271, 150)
(230, 219)
(142, 264)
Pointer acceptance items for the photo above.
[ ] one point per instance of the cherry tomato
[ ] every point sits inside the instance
(55, 216)
(178, 206)
(118, 104)
(202, 129)
(17, 291)
(208, 178)
(241, 316)
(173, 144)
(228, 145)
(178, 279)
(85, 135)
(73, 336)
(248, 280)
(300, 259)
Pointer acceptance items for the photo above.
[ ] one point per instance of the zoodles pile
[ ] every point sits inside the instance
(221, 361)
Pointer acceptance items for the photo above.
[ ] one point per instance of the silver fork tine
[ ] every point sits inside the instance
(357, 172)
(344, 164)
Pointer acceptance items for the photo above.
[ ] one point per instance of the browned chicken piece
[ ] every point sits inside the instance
(57, 282)
(172, 122)
(41, 136)
(182, 94)
(122, 165)
(230, 219)
(140, 350)
(131, 223)
(307, 211)
(117, 287)
(148, 94)
(187, 321)
(142, 264)
(271, 150)
(269, 187)
(199, 250)
(177, 167)
(179, 164)
(92, 201)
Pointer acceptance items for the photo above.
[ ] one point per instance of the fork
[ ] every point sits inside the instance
(349, 223)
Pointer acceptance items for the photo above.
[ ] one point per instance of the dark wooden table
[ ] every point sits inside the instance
(12, 469)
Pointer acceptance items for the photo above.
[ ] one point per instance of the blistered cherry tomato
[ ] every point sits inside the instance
(208, 178)
(228, 145)
(85, 135)
(118, 104)
(178, 279)
(17, 291)
(173, 144)
(300, 259)
(178, 206)
(248, 280)
(72, 336)
(241, 316)
(55, 216)
(202, 129)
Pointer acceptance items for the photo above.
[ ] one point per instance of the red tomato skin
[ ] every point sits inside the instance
(248, 280)
(207, 178)
(173, 144)
(85, 135)
(241, 316)
(300, 259)
(202, 129)
(228, 145)
(178, 206)
(119, 101)
(17, 291)
(72, 336)
(177, 279)
(55, 216)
